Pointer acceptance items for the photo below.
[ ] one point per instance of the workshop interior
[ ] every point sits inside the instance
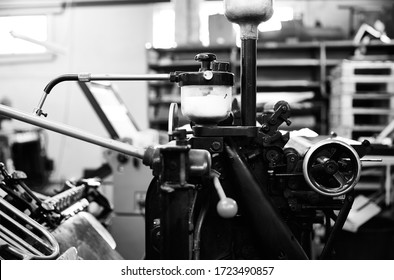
(196, 130)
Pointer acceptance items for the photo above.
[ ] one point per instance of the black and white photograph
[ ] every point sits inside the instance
(196, 139)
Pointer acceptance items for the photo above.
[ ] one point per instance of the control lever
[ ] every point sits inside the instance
(270, 123)
(226, 207)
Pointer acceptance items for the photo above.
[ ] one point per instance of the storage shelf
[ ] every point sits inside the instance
(179, 65)
(287, 83)
(285, 62)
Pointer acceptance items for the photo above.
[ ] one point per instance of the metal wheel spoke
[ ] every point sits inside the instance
(317, 167)
(340, 178)
(336, 153)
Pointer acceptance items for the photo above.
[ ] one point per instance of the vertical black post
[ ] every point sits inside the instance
(248, 81)
(176, 198)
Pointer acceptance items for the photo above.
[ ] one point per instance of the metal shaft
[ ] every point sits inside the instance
(87, 77)
(119, 77)
(248, 81)
(72, 132)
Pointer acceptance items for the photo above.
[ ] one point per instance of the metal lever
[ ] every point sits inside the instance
(72, 132)
(226, 207)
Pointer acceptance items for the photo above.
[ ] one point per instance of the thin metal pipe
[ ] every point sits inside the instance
(72, 132)
(248, 81)
(144, 77)
(12, 236)
(27, 233)
(87, 77)
(27, 220)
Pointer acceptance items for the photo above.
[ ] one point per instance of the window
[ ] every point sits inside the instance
(164, 22)
(18, 34)
(164, 27)
(275, 23)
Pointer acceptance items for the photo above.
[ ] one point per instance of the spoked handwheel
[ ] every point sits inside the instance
(332, 167)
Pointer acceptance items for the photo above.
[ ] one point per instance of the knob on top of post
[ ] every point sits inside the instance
(251, 11)
(206, 60)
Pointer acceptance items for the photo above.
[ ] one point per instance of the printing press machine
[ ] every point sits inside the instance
(232, 186)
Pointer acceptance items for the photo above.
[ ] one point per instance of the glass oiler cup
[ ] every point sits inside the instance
(206, 96)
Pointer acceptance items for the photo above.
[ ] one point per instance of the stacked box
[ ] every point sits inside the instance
(362, 98)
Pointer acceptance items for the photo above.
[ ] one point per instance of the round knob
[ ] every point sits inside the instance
(252, 11)
(248, 14)
(206, 60)
(227, 208)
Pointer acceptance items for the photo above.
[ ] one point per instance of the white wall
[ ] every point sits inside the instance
(108, 39)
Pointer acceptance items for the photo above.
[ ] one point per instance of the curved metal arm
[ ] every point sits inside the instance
(22, 242)
(72, 132)
(87, 77)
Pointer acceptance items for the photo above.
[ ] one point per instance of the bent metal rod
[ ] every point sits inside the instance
(72, 132)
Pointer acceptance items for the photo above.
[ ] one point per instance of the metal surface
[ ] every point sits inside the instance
(273, 233)
(99, 228)
(78, 232)
(72, 132)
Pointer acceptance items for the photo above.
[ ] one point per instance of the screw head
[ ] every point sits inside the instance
(216, 146)
(208, 75)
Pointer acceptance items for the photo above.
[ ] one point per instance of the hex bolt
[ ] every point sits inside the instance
(272, 121)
